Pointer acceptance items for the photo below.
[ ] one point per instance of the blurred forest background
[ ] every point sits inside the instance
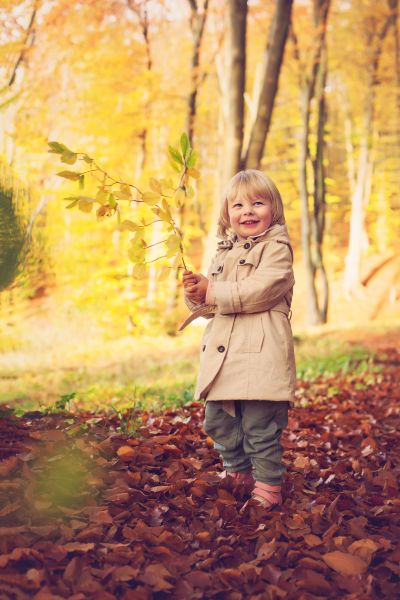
(308, 91)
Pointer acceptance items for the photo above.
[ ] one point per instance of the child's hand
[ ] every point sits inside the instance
(195, 285)
(189, 279)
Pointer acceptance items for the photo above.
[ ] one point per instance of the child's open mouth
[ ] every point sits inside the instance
(249, 222)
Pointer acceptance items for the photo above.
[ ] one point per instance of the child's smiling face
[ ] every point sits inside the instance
(249, 216)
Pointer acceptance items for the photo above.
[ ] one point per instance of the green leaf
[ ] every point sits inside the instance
(57, 148)
(87, 159)
(185, 145)
(69, 157)
(175, 155)
(174, 165)
(72, 175)
(191, 161)
(112, 201)
(81, 182)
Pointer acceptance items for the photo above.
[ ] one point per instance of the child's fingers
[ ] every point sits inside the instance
(190, 280)
(188, 284)
(192, 291)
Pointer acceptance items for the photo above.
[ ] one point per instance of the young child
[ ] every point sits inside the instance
(247, 365)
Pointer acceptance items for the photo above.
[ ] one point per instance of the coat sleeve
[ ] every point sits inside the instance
(261, 290)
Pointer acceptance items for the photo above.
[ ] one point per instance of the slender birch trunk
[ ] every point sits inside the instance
(359, 200)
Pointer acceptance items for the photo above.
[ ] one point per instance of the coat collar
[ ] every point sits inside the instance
(276, 232)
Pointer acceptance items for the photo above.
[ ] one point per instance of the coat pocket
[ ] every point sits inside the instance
(248, 334)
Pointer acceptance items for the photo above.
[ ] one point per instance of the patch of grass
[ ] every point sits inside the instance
(146, 397)
(328, 357)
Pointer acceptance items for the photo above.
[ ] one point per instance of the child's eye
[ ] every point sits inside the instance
(236, 204)
(258, 202)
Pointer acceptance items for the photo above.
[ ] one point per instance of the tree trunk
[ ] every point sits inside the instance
(28, 41)
(359, 200)
(312, 315)
(273, 57)
(312, 226)
(197, 25)
(319, 186)
(235, 93)
(351, 171)
(140, 10)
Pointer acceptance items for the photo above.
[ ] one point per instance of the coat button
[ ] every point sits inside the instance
(220, 268)
(204, 348)
(247, 245)
(242, 261)
(221, 348)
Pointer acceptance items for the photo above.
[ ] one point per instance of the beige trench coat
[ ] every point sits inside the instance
(247, 347)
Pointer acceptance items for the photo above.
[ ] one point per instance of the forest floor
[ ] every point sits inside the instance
(130, 505)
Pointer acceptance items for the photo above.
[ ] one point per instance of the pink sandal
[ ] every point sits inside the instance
(243, 479)
(266, 496)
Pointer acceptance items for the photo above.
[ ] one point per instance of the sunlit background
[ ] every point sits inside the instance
(120, 80)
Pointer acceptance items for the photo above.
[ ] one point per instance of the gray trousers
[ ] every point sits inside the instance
(251, 438)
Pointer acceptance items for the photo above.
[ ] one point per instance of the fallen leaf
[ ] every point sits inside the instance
(155, 576)
(344, 563)
(78, 547)
(126, 452)
(364, 549)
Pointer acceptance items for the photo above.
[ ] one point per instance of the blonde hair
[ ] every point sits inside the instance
(253, 184)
